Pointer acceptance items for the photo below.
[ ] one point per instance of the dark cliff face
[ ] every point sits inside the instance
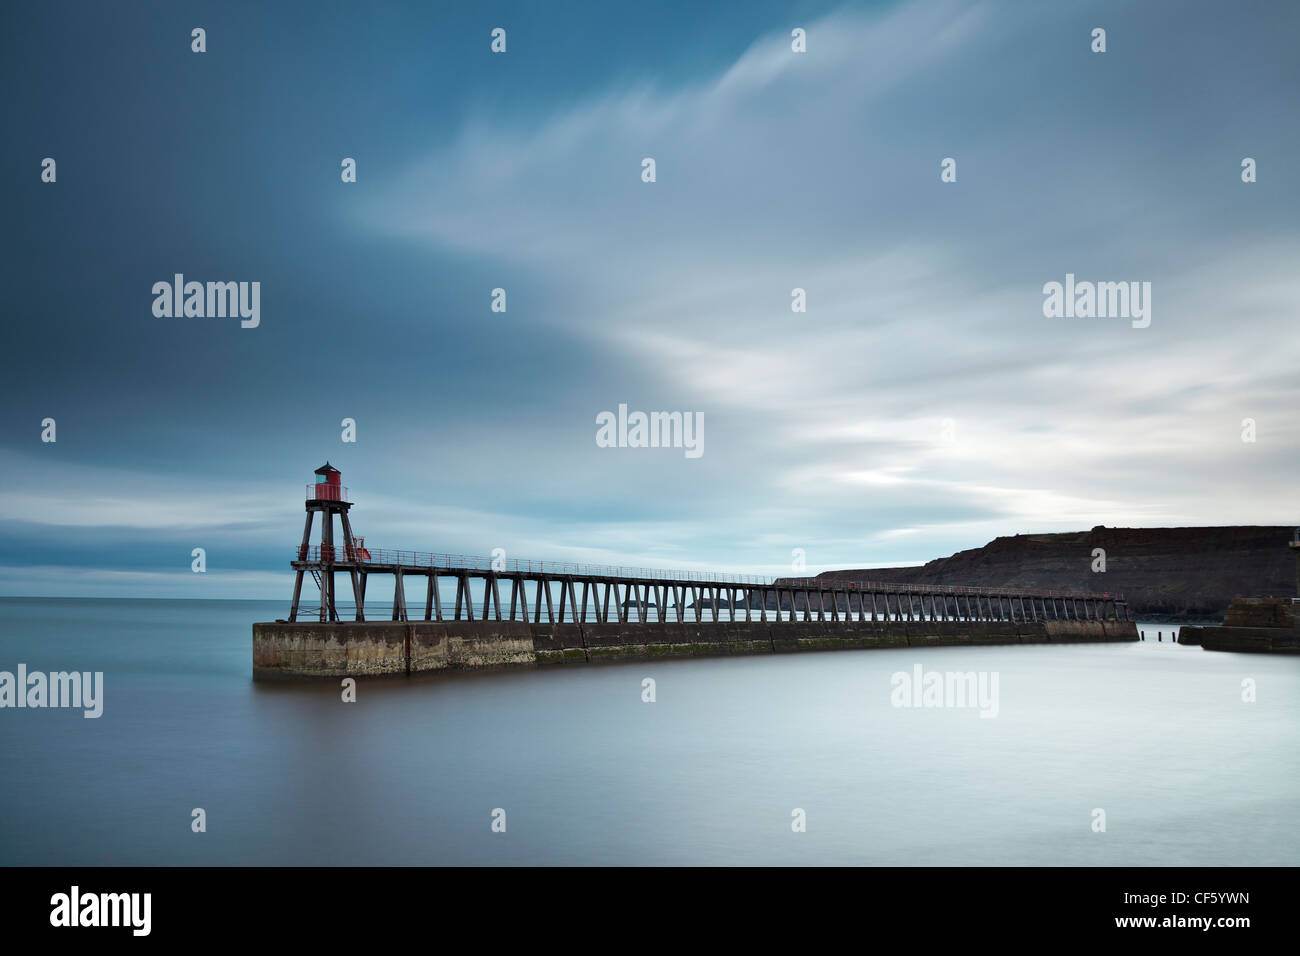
(1165, 573)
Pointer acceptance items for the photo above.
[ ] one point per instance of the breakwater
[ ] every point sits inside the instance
(285, 650)
(1266, 625)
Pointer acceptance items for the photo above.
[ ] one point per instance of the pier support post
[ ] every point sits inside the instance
(463, 598)
(523, 598)
(515, 585)
(399, 596)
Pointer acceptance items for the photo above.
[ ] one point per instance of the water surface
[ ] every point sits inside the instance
(1156, 735)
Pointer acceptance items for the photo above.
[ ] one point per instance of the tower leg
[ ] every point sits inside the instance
(297, 592)
(327, 570)
(306, 536)
(302, 556)
(350, 549)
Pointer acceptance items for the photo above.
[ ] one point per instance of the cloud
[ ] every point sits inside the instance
(96, 496)
(777, 171)
(820, 171)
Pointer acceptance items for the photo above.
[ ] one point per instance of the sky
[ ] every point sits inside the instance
(922, 404)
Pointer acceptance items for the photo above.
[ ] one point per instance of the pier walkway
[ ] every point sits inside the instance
(554, 592)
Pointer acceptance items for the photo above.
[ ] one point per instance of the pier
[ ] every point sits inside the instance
(554, 592)
(483, 612)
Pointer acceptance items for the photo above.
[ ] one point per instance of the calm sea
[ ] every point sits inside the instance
(1155, 735)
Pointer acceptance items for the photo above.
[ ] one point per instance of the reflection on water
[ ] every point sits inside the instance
(1155, 734)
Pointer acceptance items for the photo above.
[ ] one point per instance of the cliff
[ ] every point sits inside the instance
(1168, 574)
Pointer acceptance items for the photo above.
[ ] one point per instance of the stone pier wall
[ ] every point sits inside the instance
(1267, 625)
(287, 651)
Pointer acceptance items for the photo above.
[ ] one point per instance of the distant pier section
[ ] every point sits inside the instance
(1255, 624)
(481, 613)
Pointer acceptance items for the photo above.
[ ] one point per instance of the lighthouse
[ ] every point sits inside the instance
(327, 497)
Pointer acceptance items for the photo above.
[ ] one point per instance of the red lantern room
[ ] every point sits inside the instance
(328, 485)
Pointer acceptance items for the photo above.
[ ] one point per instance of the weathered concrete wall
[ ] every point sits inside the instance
(375, 648)
(437, 645)
(283, 651)
(315, 649)
(1260, 612)
(1276, 640)
(1267, 625)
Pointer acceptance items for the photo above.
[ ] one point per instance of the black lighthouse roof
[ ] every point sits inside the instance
(326, 469)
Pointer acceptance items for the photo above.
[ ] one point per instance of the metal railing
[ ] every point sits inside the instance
(322, 491)
(462, 562)
(893, 586)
